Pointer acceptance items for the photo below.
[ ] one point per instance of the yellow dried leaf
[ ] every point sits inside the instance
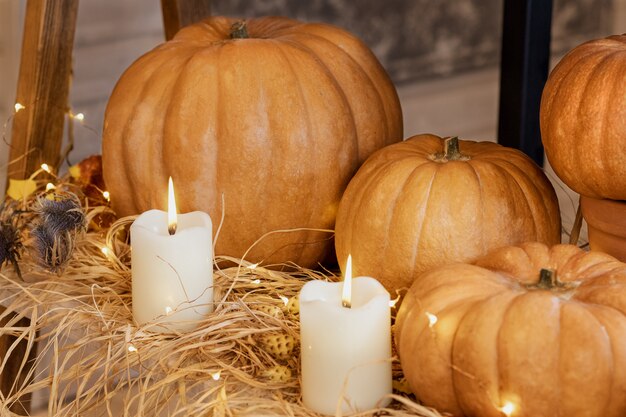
(21, 189)
(74, 171)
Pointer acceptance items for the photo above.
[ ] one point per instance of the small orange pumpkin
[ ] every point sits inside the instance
(275, 115)
(583, 118)
(528, 329)
(427, 201)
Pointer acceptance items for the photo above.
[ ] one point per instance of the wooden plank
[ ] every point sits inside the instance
(180, 13)
(524, 70)
(13, 375)
(43, 84)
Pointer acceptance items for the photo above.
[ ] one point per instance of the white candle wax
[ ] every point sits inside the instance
(345, 352)
(172, 274)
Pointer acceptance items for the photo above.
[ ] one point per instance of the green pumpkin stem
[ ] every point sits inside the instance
(239, 30)
(451, 151)
(547, 279)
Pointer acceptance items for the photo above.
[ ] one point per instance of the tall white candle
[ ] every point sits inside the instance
(345, 351)
(172, 269)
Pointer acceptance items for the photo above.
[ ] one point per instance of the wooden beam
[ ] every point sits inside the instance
(14, 373)
(43, 85)
(524, 70)
(180, 13)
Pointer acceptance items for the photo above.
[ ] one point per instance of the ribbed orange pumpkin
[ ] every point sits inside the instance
(274, 115)
(413, 206)
(477, 340)
(583, 118)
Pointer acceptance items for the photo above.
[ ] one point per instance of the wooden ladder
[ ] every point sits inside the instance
(36, 136)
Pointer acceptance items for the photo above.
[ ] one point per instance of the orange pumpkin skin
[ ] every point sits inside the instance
(404, 212)
(276, 123)
(583, 118)
(548, 352)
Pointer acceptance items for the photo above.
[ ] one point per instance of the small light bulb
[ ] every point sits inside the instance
(216, 375)
(18, 107)
(285, 299)
(50, 186)
(105, 250)
(45, 167)
(256, 281)
(106, 195)
(392, 303)
(432, 319)
(132, 348)
(168, 310)
(253, 266)
(80, 117)
(508, 408)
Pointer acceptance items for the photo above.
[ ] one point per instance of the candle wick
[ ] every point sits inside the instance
(346, 304)
(171, 229)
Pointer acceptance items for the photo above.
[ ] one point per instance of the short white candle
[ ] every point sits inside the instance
(172, 274)
(345, 352)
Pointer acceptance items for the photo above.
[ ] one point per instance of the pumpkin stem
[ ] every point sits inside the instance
(547, 279)
(451, 148)
(451, 151)
(239, 30)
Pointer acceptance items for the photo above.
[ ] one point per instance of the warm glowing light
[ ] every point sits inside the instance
(253, 266)
(392, 303)
(132, 348)
(432, 319)
(106, 195)
(80, 117)
(18, 107)
(216, 375)
(168, 310)
(256, 281)
(508, 408)
(171, 208)
(285, 299)
(50, 186)
(346, 296)
(46, 168)
(105, 250)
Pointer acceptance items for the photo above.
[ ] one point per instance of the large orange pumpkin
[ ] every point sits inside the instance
(413, 206)
(274, 115)
(583, 118)
(479, 340)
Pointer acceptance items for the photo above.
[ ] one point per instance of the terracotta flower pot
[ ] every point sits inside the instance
(606, 222)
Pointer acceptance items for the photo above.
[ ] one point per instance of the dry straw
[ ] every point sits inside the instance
(93, 359)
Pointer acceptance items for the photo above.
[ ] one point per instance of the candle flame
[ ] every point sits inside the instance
(432, 319)
(346, 296)
(508, 408)
(171, 208)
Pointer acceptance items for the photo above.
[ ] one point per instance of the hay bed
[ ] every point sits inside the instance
(92, 355)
